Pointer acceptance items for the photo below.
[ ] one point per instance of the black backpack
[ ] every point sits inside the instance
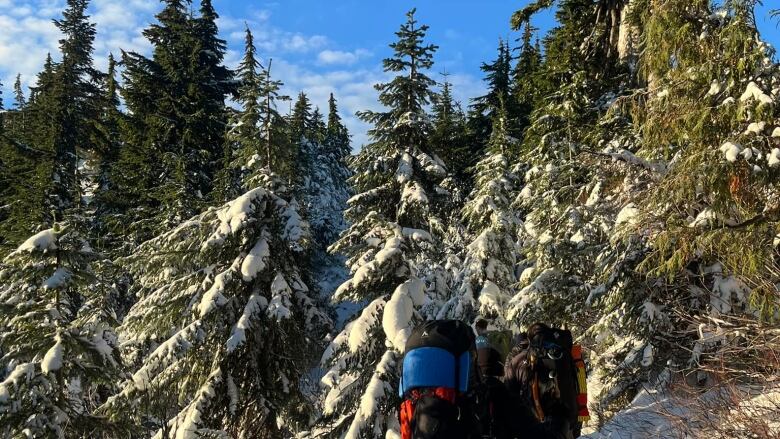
(543, 371)
(435, 380)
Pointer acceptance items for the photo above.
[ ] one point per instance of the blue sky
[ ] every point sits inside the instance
(318, 46)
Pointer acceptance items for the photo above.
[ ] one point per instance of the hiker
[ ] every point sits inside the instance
(438, 382)
(495, 406)
(482, 340)
(544, 372)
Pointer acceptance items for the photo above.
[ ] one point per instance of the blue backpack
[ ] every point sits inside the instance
(434, 380)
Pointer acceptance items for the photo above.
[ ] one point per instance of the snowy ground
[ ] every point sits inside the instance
(748, 412)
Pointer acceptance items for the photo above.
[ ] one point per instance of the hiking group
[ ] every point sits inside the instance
(458, 384)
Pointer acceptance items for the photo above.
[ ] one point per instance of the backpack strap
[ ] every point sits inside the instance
(583, 414)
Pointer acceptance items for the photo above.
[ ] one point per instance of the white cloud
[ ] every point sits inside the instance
(328, 56)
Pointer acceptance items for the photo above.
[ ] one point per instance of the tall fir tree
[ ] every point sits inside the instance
(19, 100)
(324, 195)
(244, 150)
(301, 119)
(527, 83)
(336, 135)
(448, 136)
(175, 134)
(483, 109)
(75, 95)
(280, 153)
(393, 246)
(489, 267)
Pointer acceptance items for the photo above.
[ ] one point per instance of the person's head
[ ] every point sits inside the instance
(481, 326)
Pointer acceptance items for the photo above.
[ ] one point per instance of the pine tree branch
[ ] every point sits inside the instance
(629, 159)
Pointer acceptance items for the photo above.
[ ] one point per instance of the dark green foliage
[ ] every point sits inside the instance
(174, 136)
(527, 81)
(484, 108)
(405, 95)
(243, 139)
(449, 138)
(19, 99)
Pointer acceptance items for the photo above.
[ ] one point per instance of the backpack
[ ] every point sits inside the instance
(549, 370)
(434, 380)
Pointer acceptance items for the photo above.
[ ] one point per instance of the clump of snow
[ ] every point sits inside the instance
(360, 329)
(647, 355)
(45, 240)
(416, 234)
(704, 218)
(749, 153)
(255, 305)
(279, 306)
(776, 132)
(188, 423)
(627, 215)
(433, 165)
(727, 291)
(578, 237)
(595, 195)
(404, 171)
(754, 92)
(255, 261)
(731, 150)
(399, 311)
(414, 193)
(492, 299)
(59, 278)
(714, 88)
(756, 128)
(774, 158)
(52, 361)
(235, 216)
(24, 371)
(213, 298)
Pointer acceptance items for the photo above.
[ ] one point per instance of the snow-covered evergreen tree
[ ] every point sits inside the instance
(489, 260)
(710, 214)
(392, 245)
(327, 189)
(58, 350)
(224, 326)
